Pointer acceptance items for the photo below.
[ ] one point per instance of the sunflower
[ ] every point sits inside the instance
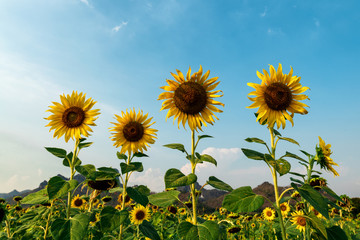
(285, 209)
(323, 158)
(277, 97)
(132, 131)
(192, 99)
(78, 202)
(268, 214)
(299, 220)
(72, 117)
(139, 214)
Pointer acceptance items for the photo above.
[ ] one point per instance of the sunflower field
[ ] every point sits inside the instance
(308, 209)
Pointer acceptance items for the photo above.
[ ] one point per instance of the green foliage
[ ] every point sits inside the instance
(133, 166)
(242, 199)
(252, 154)
(208, 230)
(57, 187)
(176, 146)
(38, 197)
(217, 183)
(58, 152)
(175, 178)
(164, 199)
(74, 228)
(111, 218)
(148, 230)
(137, 196)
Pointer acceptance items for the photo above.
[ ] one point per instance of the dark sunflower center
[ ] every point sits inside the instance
(283, 208)
(190, 97)
(73, 117)
(78, 202)
(278, 96)
(133, 131)
(269, 214)
(140, 215)
(301, 221)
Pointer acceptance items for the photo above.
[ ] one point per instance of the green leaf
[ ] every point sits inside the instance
(143, 190)
(116, 189)
(137, 196)
(316, 223)
(85, 170)
(84, 145)
(74, 228)
(289, 140)
(204, 136)
(133, 166)
(73, 183)
(111, 218)
(177, 146)
(68, 158)
(58, 152)
(148, 230)
(296, 180)
(242, 199)
(140, 154)
(282, 166)
(256, 140)
(38, 197)
(175, 178)
(269, 159)
(297, 174)
(208, 230)
(208, 158)
(164, 199)
(306, 153)
(336, 233)
(57, 187)
(218, 184)
(277, 133)
(326, 189)
(253, 154)
(121, 156)
(288, 154)
(314, 198)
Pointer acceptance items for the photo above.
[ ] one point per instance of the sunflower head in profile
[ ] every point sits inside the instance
(139, 214)
(78, 202)
(191, 99)
(277, 97)
(323, 158)
(72, 117)
(268, 214)
(132, 131)
(299, 220)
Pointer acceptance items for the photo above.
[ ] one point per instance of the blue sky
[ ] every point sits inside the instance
(121, 52)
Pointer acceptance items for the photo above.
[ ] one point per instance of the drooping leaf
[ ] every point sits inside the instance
(242, 199)
(38, 197)
(164, 199)
(331, 193)
(74, 228)
(208, 230)
(85, 145)
(314, 198)
(137, 196)
(252, 154)
(140, 154)
(282, 166)
(336, 233)
(175, 178)
(208, 158)
(149, 231)
(133, 166)
(143, 190)
(176, 146)
(204, 136)
(58, 152)
(317, 224)
(256, 140)
(121, 156)
(291, 155)
(57, 187)
(218, 184)
(289, 140)
(85, 170)
(111, 218)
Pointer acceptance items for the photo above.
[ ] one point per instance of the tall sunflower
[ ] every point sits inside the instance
(192, 99)
(299, 220)
(139, 214)
(72, 117)
(323, 158)
(132, 131)
(277, 97)
(285, 209)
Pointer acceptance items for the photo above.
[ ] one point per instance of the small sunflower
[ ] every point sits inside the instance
(317, 214)
(299, 220)
(172, 209)
(78, 202)
(268, 214)
(72, 117)
(132, 131)
(277, 97)
(139, 214)
(128, 200)
(233, 229)
(323, 158)
(285, 209)
(192, 99)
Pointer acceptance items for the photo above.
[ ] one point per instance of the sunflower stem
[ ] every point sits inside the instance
(72, 173)
(274, 175)
(192, 186)
(124, 195)
(48, 220)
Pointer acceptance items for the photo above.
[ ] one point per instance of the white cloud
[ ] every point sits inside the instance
(152, 178)
(263, 14)
(118, 27)
(317, 22)
(274, 31)
(86, 2)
